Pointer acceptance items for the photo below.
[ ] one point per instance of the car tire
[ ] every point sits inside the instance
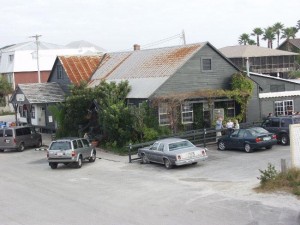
(21, 147)
(284, 139)
(53, 165)
(145, 159)
(167, 163)
(39, 144)
(1, 150)
(248, 148)
(79, 162)
(221, 146)
(269, 147)
(93, 157)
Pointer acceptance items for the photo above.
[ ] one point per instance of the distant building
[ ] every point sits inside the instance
(18, 63)
(262, 60)
(291, 45)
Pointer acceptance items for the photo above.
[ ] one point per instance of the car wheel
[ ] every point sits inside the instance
(145, 159)
(21, 147)
(247, 148)
(284, 140)
(168, 164)
(1, 150)
(39, 144)
(269, 147)
(93, 157)
(53, 165)
(221, 146)
(79, 162)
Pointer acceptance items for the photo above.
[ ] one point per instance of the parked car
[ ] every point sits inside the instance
(248, 139)
(280, 127)
(70, 150)
(19, 137)
(172, 151)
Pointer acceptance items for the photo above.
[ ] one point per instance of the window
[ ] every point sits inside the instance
(275, 122)
(154, 146)
(79, 143)
(230, 107)
(75, 144)
(11, 58)
(8, 133)
(161, 147)
(283, 108)
(23, 111)
(286, 122)
(206, 64)
(59, 72)
(187, 113)
(163, 115)
(33, 112)
(85, 143)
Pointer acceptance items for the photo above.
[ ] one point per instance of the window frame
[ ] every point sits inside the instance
(163, 111)
(59, 72)
(281, 107)
(203, 68)
(186, 109)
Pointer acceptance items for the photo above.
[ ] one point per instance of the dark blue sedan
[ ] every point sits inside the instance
(247, 139)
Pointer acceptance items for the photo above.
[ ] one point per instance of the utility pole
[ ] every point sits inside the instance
(183, 37)
(37, 55)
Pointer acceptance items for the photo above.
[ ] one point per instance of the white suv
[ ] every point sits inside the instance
(70, 150)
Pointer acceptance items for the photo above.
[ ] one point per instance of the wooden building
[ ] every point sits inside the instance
(262, 60)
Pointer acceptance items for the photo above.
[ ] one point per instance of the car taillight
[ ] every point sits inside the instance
(15, 141)
(274, 136)
(203, 152)
(179, 157)
(258, 140)
(73, 153)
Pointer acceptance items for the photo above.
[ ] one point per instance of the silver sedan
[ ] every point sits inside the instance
(172, 151)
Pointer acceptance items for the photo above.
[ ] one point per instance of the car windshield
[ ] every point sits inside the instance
(257, 131)
(180, 145)
(61, 145)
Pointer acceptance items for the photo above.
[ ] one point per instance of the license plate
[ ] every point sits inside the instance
(59, 154)
(267, 138)
(191, 154)
(7, 141)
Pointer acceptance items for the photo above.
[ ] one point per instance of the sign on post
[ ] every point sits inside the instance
(295, 144)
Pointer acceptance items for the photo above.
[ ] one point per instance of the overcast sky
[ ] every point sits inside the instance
(116, 25)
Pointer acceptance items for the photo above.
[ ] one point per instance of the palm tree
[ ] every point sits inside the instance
(244, 38)
(251, 42)
(257, 32)
(269, 35)
(277, 27)
(288, 33)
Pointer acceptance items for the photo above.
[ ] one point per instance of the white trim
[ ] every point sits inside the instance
(279, 94)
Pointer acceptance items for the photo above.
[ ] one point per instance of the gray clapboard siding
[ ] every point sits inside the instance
(190, 76)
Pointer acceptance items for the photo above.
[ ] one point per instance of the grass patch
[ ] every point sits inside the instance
(4, 113)
(272, 181)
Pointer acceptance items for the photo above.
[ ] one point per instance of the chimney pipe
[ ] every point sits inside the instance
(136, 47)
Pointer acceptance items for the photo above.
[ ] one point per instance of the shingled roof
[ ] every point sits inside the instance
(42, 92)
(81, 67)
(244, 51)
(295, 42)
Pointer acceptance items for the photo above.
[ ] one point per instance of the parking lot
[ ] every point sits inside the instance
(113, 191)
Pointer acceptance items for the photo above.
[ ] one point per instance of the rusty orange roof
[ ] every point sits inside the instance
(80, 68)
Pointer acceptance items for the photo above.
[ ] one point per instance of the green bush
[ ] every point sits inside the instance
(269, 174)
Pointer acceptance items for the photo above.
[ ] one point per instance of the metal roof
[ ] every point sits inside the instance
(295, 81)
(81, 67)
(279, 94)
(243, 51)
(85, 45)
(42, 92)
(145, 70)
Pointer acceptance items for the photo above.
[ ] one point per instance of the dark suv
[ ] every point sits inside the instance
(280, 127)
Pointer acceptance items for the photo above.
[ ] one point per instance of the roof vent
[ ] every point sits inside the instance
(136, 47)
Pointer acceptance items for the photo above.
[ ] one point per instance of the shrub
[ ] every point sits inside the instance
(269, 174)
